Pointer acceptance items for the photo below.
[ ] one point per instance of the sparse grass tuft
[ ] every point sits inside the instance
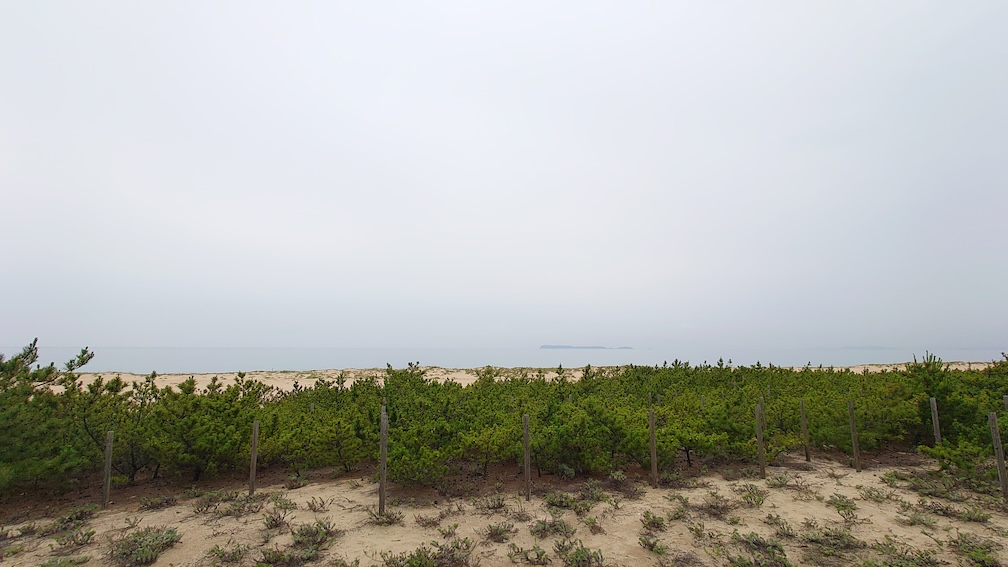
(492, 504)
(499, 533)
(455, 553)
(319, 505)
(534, 556)
(231, 554)
(976, 550)
(427, 521)
(752, 495)
(781, 527)
(389, 518)
(593, 525)
(652, 522)
(652, 544)
(554, 526)
(157, 502)
(899, 554)
(765, 552)
(143, 546)
(716, 506)
(70, 521)
(66, 561)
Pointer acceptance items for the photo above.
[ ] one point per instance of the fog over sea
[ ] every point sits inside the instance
(175, 360)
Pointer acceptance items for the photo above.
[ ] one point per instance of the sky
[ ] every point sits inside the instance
(477, 174)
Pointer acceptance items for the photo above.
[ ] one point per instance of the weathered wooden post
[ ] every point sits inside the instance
(382, 465)
(654, 449)
(528, 460)
(854, 436)
(1005, 399)
(998, 453)
(804, 431)
(703, 402)
(760, 447)
(934, 421)
(107, 480)
(255, 453)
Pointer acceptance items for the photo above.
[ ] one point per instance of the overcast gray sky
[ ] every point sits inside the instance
(456, 174)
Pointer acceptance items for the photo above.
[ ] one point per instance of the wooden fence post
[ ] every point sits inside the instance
(107, 480)
(703, 402)
(1005, 399)
(760, 447)
(998, 452)
(255, 453)
(934, 421)
(804, 431)
(382, 465)
(528, 459)
(654, 449)
(854, 436)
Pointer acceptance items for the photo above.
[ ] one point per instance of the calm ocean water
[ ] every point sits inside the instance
(209, 360)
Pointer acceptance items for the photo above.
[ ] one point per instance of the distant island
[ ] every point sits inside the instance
(576, 347)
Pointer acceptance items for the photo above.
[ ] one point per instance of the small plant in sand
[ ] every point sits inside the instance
(319, 505)
(836, 475)
(559, 500)
(65, 561)
(157, 502)
(876, 494)
(520, 514)
(835, 543)
(652, 522)
(781, 527)
(492, 504)
(652, 544)
(752, 495)
(534, 556)
(846, 507)
(592, 523)
(629, 489)
(455, 553)
(778, 480)
(499, 533)
(427, 521)
(281, 502)
(341, 562)
(72, 520)
(448, 532)
(142, 547)
(681, 559)
(716, 506)
(275, 519)
(573, 553)
(765, 552)
(977, 550)
(295, 482)
(389, 518)
(230, 554)
(702, 535)
(554, 526)
(75, 539)
(916, 519)
(12, 550)
(318, 534)
(900, 554)
(591, 491)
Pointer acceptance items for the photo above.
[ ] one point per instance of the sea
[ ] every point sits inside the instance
(143, 360)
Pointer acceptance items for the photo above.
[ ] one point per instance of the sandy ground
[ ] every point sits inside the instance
(285, 380)
(796, 492)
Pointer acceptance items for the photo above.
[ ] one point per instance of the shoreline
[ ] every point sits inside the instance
(285, 379)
